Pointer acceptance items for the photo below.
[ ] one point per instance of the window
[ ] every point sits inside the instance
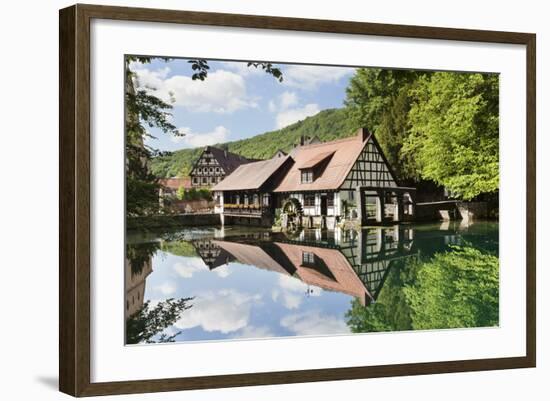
(256, 200)
(307, 176)
(204, 180)
(246, 200)
(211, 170)
(195, 180)
(265, 200)
(237, 199)
(217, 169)
(308, 258)
(309, 200)
(330, 199)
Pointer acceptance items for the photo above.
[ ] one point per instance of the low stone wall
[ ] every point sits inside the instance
(174, 221)
(473, 210)
(451, 210)
(248, 221)
(191, 206)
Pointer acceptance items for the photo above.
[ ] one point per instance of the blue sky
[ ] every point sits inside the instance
(241, 301)
(237, 101)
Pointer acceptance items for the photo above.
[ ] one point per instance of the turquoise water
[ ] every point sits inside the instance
(201, 284)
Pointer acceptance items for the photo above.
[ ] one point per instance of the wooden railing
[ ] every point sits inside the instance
(257, 210)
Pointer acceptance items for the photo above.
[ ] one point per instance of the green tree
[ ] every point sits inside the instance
(148, 322)
(379, 100)
(205, 193)
(328, 125)
(144, 109)
(454, 131)
(391, 311)
(180, 194)
(453, 289)
(140, 254)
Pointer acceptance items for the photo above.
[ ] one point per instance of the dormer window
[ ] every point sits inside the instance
(308, 258)
(307, 176)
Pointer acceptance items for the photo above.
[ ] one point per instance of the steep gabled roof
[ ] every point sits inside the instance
(335, 274)
(175, 182)
(340, 156)
(252, 175)
(227, 160)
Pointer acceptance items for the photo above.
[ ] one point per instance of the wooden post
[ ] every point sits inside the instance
(361, 209)
(398, 214)
(380, 212)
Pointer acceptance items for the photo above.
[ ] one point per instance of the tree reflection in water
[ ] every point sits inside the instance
(453, 289)
(402, 277)
(146, 323)
(150, 322)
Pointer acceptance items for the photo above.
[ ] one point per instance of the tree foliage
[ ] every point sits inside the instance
(328, 125)
(436, 126)
(454, 131)
(453, 289)
(144, 109)
(379, 100)
(150, 321)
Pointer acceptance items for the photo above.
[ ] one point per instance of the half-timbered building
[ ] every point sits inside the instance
(320, 183)
(213, 166)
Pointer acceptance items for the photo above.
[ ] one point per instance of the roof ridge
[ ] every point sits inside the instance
(311, 145)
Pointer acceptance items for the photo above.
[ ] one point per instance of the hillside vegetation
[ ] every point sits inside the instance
(327, 125)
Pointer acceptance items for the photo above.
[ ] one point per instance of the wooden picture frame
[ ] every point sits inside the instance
(75, 207)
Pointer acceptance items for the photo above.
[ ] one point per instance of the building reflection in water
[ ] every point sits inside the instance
(135, 277)
(345, 261)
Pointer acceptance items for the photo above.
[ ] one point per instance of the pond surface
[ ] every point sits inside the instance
(201, 284)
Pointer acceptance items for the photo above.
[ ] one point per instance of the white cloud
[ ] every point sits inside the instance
(288, 99)
(291, 116)
(225, 311)
(242, 68)
(310, 77)
(198, 139)
(284, 101)
(293, 291)
(221, 92)
(222, 271)
(190, 267)
(313, 323)
(167, 288)
(254, 332)
(272, 106)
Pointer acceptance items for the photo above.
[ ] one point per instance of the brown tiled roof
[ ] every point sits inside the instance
(344, 279)
(344, 154)
(175, 182)
(227, 160)
(251, 255)
(285, 258)
(317, 159)
(251, 175)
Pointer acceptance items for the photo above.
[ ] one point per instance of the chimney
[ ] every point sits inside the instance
(363, 134)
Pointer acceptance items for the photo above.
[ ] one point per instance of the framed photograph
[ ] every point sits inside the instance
(250, 200)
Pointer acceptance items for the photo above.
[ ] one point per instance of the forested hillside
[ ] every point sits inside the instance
(327, 125)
